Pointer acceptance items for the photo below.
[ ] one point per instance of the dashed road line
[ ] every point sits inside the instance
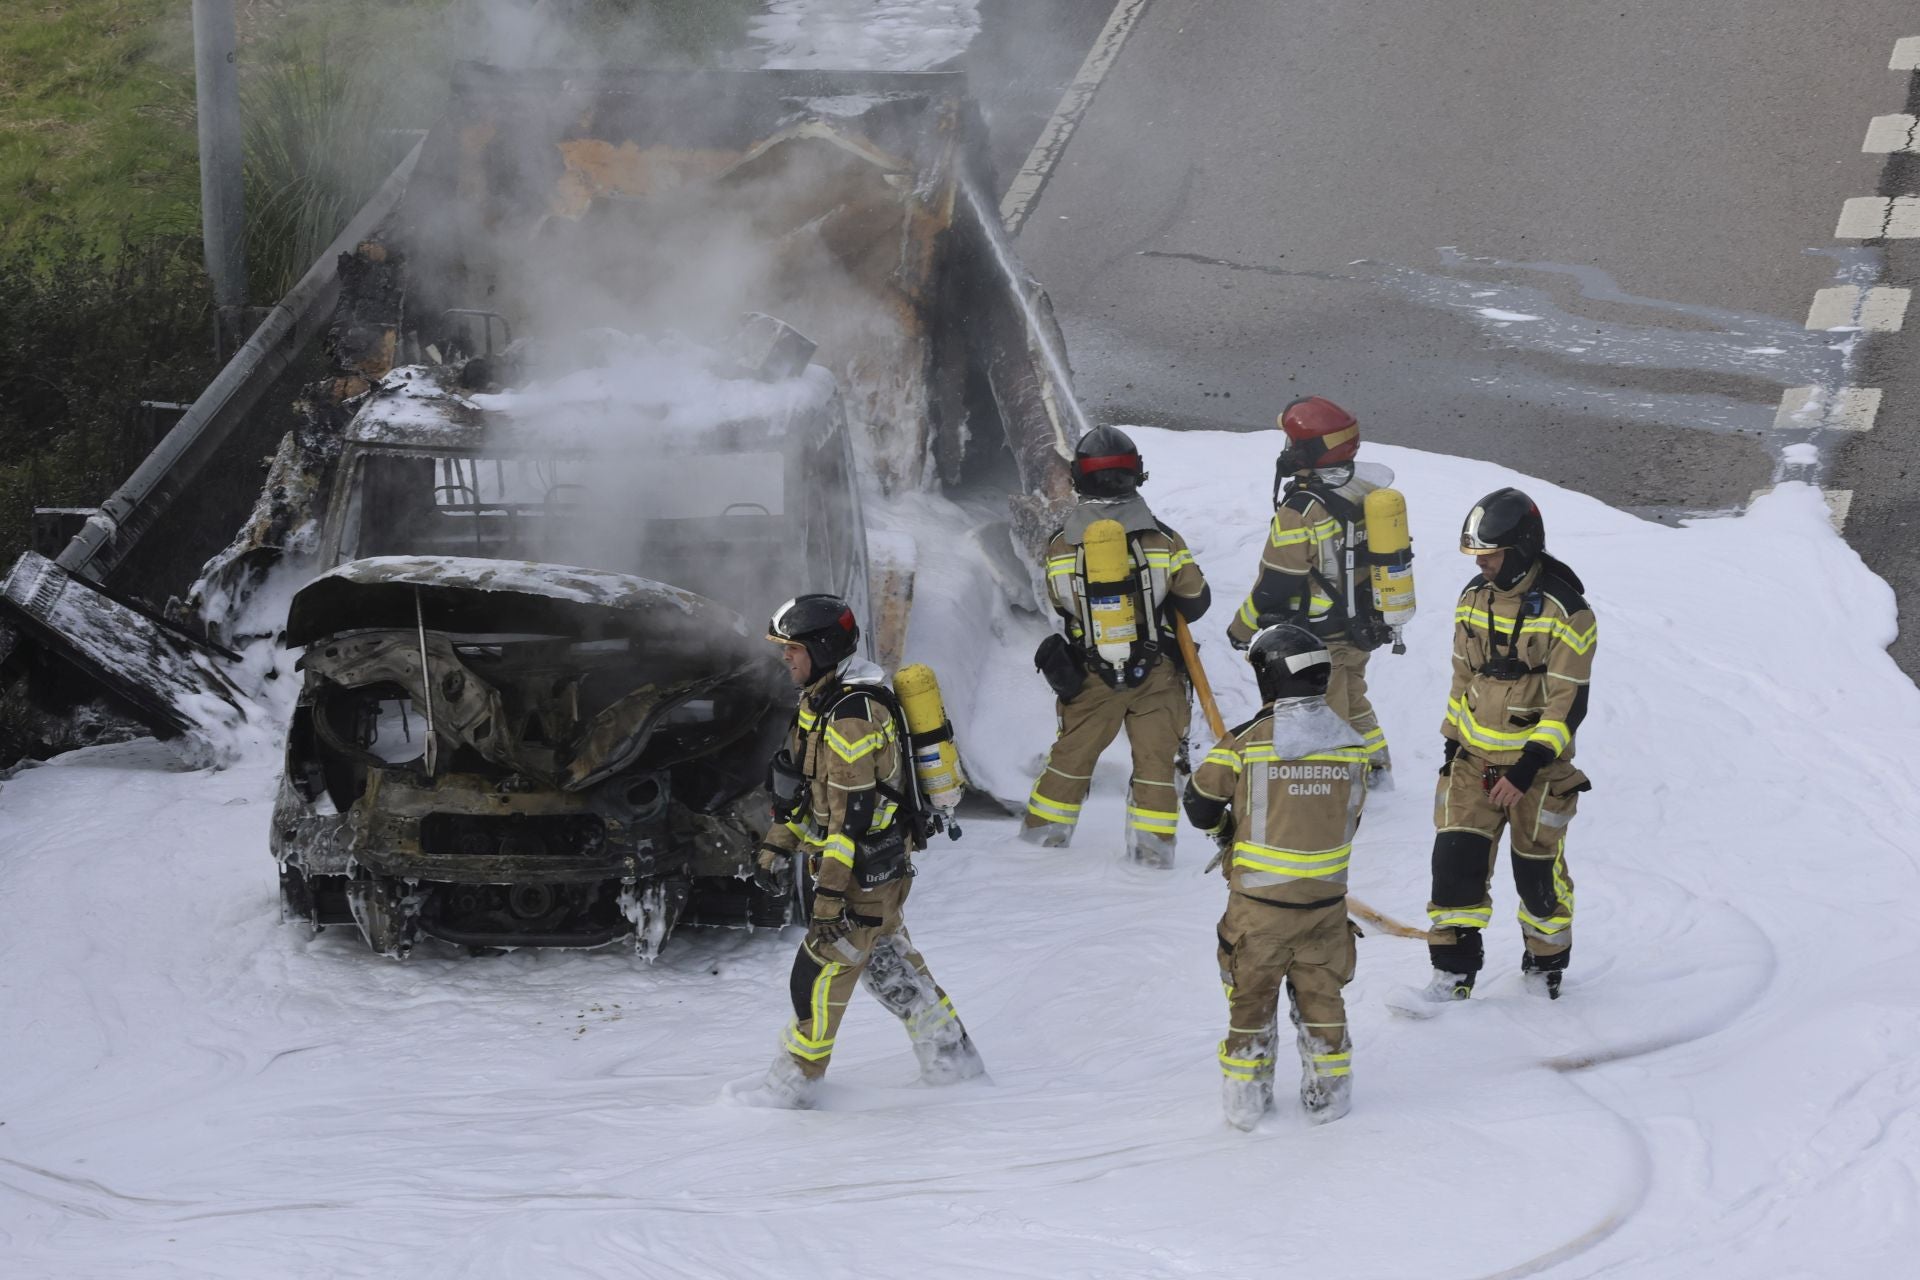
(1870, 310)
(1889, 134)
(1879, 218)
(1906, 54)
(1032, 178)
(1827, 409)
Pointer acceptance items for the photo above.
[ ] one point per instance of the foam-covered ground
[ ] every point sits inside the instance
(188, 1088)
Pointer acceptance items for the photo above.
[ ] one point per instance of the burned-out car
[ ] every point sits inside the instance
(501, 754)
(537, 702)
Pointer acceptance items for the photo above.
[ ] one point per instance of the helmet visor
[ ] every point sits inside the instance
(1477, 540)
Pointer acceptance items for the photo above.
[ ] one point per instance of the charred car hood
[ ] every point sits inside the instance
(469, 595)
(550, 672)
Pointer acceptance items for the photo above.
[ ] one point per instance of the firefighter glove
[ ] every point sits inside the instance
(830, 923)
(1522, 771)
(771, 865)
(1061, 666)
(1449, 749)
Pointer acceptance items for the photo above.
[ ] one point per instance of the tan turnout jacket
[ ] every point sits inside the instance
(1543, 630)
(1306, 538)
(1294, 780)
(848, 748)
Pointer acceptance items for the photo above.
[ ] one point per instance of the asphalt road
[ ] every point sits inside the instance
(1580, 239)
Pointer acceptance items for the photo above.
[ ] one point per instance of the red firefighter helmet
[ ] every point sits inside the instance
(1319, 433)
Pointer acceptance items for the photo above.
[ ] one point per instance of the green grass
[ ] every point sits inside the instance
(97, 103)
(96, 116)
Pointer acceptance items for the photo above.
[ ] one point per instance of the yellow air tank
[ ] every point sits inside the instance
(935, 760)
(1387, 537)
(1110, 590)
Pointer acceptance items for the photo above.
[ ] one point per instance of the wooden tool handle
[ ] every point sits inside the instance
(1198, 674)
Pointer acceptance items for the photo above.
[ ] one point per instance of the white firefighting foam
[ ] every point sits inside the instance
(881, 35)
(189, 1088)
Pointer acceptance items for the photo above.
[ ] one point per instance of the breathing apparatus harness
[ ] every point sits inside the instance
(1146, 650)
(1508, 666)
(1354, 609)
(879, 856)
(1554, 574)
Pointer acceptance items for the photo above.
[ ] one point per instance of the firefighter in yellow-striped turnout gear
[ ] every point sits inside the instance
(838, 788)
(1524, 639)
(1282, 795)
(1137, 685)
(1312, 567)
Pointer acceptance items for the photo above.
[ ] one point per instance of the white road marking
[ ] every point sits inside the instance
(1879, 217)
(1887, 134)
(1875, 310)
(1032, 178)
(1824, 409)
(1906, 54)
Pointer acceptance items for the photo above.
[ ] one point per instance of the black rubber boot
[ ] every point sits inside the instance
(1543, 973)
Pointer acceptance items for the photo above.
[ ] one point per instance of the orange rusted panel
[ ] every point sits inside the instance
(601, 167)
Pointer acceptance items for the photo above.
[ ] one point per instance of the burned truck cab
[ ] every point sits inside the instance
(536, 702)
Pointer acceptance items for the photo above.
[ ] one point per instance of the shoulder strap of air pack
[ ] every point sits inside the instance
(907, 796)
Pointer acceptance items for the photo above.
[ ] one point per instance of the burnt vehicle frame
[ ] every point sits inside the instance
(498, 751)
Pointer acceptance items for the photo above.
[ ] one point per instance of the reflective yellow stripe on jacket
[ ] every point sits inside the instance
(861, 747)
(1325, 531)
(1552, 734)
(1495, 625)
(1294, 864)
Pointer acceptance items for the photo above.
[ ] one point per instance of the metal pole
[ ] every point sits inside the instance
(285, 334)
(222, 190)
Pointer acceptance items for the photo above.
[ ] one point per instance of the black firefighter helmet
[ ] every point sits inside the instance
(1289, 661)
(1505, 520)
(824, 624)
(1106, 464)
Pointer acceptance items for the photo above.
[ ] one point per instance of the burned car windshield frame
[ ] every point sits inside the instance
(721, 554)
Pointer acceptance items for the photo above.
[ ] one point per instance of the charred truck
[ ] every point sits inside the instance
(536, 510)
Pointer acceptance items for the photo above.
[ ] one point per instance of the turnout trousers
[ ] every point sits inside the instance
(1311, 952)
(1155, 715)
(1347, 695)
(1466, 846)
(877, 954)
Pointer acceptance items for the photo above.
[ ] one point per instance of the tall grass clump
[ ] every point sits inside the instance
(320, 139)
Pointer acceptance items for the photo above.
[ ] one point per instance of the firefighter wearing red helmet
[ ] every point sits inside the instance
(1313, 568)
(1523, 645)
(1102, 689)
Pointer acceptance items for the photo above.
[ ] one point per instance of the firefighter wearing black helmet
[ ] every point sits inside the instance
(1313, 569)
(838, 787)
(1145, 692)
(1282, 795)
(1523, 645)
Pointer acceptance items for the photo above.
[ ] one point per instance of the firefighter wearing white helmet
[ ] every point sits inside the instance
(1116, 576)
(839, 789)
(1523, 645)
(1282, 796)
(1316, 566)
